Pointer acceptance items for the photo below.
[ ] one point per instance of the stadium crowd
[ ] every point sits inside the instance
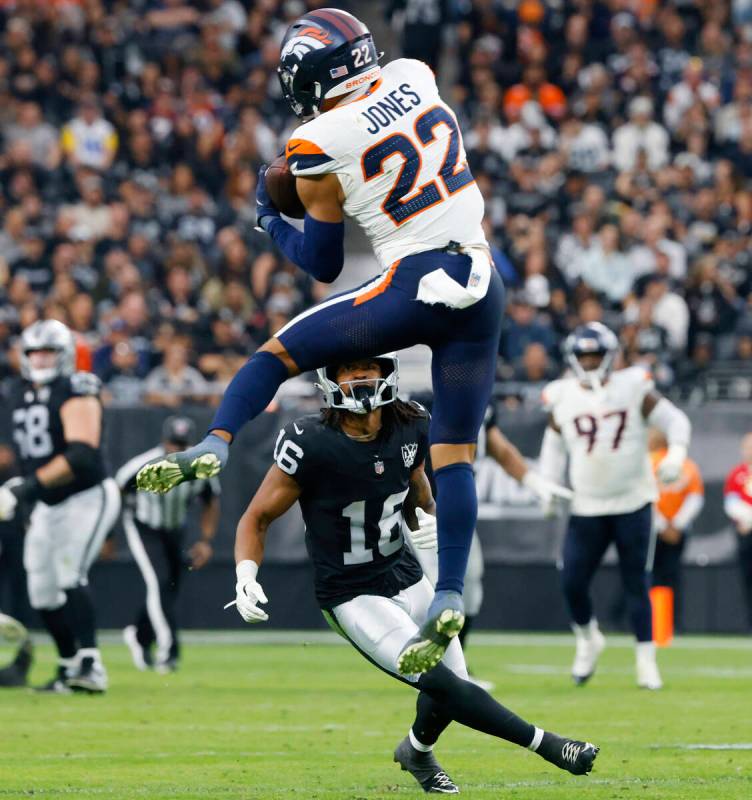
(612, 140)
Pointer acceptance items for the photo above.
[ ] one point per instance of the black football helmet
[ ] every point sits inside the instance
(324, 54)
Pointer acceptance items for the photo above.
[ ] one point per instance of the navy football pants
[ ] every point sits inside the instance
(585, 544)
(383, 315)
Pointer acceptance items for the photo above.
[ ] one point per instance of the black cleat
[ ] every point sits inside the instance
(569, 754)
(16, 672)
(424, 768)
(444, 620)
(57, 685)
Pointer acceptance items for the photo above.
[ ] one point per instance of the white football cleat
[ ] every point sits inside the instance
(648, 676)
(589, 644)
(91, 676)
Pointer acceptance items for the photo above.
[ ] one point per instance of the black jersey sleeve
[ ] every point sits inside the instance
(490, 420)
(83, 384)
(422, 426)
(295, 451)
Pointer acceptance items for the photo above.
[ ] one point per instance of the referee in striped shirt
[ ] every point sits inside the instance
(155, 529)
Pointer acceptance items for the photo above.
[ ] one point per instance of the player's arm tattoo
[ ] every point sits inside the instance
(277, 493)
(505, 454)
(418, 496)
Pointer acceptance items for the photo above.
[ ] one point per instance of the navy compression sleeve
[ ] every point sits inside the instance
(319, 250)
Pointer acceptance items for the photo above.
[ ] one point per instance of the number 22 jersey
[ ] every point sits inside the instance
(352, 495)
(606, 437)
(398, 154)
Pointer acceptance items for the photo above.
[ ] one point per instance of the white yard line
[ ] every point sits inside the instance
(730, 746)
(479, 639)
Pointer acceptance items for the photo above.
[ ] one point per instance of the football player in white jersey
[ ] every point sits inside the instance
(599, 418)
(378, 145)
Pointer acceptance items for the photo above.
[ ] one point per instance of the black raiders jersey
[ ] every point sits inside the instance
(489, 421)
(38, 429)
(352, 496)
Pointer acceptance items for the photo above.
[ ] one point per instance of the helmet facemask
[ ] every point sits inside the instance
(47, 336)
(360, 396)
(595, 378)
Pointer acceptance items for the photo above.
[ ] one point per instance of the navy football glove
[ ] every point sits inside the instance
(265, 208)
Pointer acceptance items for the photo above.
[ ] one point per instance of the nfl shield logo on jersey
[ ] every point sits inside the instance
(379, 467)
(409, 451)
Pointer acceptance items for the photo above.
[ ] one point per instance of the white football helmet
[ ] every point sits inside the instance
(48, 334)
(363, 396)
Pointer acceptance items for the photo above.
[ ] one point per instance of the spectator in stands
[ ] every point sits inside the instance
(668, 310)
(535, 366)
(577, 248)
(640, 135)
(523, 326)
(535, 86)
(175, 382)
(692, 90)
(712, 301)
(40, 136)
(605, 268)
(89, 140)
(585, 145)
(90, 218)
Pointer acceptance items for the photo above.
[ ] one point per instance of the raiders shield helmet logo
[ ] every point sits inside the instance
(409, 451)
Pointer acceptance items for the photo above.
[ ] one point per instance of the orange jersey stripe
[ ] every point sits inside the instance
(302, 147)
(380, 287)
(371, 90)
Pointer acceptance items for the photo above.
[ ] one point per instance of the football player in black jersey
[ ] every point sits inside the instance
(357, 471)
(57, 429)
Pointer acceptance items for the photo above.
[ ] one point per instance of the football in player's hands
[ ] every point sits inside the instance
(280, 183)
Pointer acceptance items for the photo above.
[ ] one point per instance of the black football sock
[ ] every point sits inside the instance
(58, 625)
(474, 707)
(82, 616)
(465, 630)
(430, 720)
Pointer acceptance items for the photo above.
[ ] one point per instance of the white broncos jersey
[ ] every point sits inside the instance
(606, 436)
(398, 153)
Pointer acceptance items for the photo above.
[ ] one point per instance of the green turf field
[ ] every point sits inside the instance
(316, 721)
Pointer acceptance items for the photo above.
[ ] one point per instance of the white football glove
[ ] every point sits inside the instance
(248, 593)
(553, 497)
(425, 537)
(8, 503)
(669, 469)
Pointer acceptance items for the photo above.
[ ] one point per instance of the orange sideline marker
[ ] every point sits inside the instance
(662, 601)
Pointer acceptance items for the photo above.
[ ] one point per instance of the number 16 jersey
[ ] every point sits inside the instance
(398, 153)
(352, 495)
(606, 437)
